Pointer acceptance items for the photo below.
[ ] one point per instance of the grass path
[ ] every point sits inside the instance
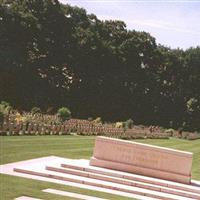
(17, 148)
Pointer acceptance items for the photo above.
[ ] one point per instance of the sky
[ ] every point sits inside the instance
(174, 23)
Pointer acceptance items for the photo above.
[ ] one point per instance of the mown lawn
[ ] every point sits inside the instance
(17, 148)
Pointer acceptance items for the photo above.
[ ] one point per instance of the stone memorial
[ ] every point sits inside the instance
(142, 159)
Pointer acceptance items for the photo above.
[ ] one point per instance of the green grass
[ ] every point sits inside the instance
(17, 148)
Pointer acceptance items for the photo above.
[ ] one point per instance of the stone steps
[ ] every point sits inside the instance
(124, 181)
(71, 194)
(100, 183)
(84, 166)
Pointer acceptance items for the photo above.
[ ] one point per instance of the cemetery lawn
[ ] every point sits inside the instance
(18, 148)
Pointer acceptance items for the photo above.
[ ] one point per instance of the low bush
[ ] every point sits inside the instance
(119, 125)
(35, 110)
(129, 123)
(98, 120)
(5, 109)
(170, 131)
(1, 117)
(64, 114)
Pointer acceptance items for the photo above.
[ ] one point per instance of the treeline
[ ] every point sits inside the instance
(54, 55)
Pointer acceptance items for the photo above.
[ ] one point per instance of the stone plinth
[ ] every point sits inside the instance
(143, 159)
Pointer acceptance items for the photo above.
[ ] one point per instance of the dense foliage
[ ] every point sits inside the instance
(64, 113)
(54, 55)
(35, 110)
(5, 109)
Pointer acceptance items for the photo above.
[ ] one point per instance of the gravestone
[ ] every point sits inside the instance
(142, 159)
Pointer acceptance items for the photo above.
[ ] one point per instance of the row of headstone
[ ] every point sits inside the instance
(35, 128)
(35, 118)
(187, 135)
(13, 128)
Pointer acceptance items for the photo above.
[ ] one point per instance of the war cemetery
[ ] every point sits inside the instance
(92, 108)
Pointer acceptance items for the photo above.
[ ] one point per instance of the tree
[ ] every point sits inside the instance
(35, 42)
(54, 55)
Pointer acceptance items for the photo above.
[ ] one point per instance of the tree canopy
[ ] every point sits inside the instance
(55, 55)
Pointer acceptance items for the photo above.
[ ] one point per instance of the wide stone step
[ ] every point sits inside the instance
(124, 181)
(26, 198)
(84, 166)
(101, 184)
(71, 194)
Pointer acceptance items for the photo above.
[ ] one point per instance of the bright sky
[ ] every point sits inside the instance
(174, 23)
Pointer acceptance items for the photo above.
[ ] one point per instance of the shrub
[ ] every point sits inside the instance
(64, 113)
(5, 109)
(1, 117)
(129, 123)
(98, 120)
(119, 125)
(35, 110)
(192, 105)
(5, 104)
(162, 129)
(170, 130)
(18, 117)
